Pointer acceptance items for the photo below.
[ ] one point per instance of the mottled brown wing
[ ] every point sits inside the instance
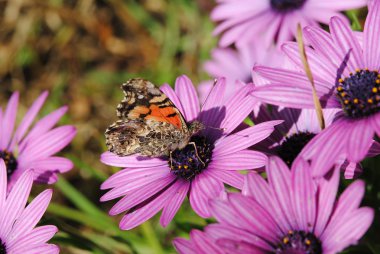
(144, 101)
(148, 138)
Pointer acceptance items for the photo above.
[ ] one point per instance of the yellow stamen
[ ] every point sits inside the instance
(285, 240)
(356, 101)
(370, 101)
(374, 90)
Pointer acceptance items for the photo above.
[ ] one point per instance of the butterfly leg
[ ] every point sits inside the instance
(171, 160)
(196, 153)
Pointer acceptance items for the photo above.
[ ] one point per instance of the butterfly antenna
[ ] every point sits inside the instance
(216, 128)
(208, 95)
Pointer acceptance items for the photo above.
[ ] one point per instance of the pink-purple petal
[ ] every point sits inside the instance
(132, 161)
(187, 94)
(172, 207)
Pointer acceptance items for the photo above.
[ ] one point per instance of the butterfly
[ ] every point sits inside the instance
(149, 123)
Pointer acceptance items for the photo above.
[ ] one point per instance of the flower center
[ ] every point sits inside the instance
(359, 93)
(293, 145)
(193, 159)
(10, 162)
(3, 249)
(299, 242)
(286, 5)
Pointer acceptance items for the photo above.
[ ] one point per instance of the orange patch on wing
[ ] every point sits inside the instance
(137, 111)
(167, 114)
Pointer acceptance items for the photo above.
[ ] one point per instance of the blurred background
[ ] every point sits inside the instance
(81, 52)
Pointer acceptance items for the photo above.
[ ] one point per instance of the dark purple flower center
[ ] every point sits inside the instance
(286, 5)
(359, 93)
(293, 145)
(10, 161)
(193, 159)
(299, 242)
(3, 249)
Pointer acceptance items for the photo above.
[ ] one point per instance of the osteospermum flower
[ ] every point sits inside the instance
(148, 185)
(18, 231)
(346, 77)
(236, 65)
(289, 213)
(22, 149)
(297, 130)
(242, 21)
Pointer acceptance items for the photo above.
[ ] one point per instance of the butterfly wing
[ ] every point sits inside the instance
(149, 122)
(145, 101)
(148, 138)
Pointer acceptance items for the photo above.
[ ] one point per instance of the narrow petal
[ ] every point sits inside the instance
(326, 200)
(260, 222)
(219, 231)
(322, 68)
(184, 246)
(187, 94)
(144, 213)
(33, 240)
(9, 119)
(204, 243)
(232, 178)
(42, 126)
(347, 43)
(56, 164)
(326, 148)
(31, 215)
(279, 180)
(166, 89)
(3, 186)
(16, 201)
(372, 37)
(171, 208)
(323, 44)
(45, 248)
(47, 144)
(238, 107)
(292, 89)
(132, 161)
(360, 139)
(244, 139)
(211, 109)
(28, 119)
(351, 229)
(245, 159)
(203, 189)
(304, 192)
(129, 175)
(135, 197)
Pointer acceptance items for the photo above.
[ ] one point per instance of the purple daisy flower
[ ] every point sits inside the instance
(148, 185)
(22, 150)
(289, 213)
(297, 130)
(346, 76)
(273, 20)
(235, 65)
(18, 231)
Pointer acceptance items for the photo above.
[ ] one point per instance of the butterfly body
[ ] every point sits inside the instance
(149, 123)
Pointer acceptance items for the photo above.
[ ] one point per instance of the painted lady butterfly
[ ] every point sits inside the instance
(149, 123)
